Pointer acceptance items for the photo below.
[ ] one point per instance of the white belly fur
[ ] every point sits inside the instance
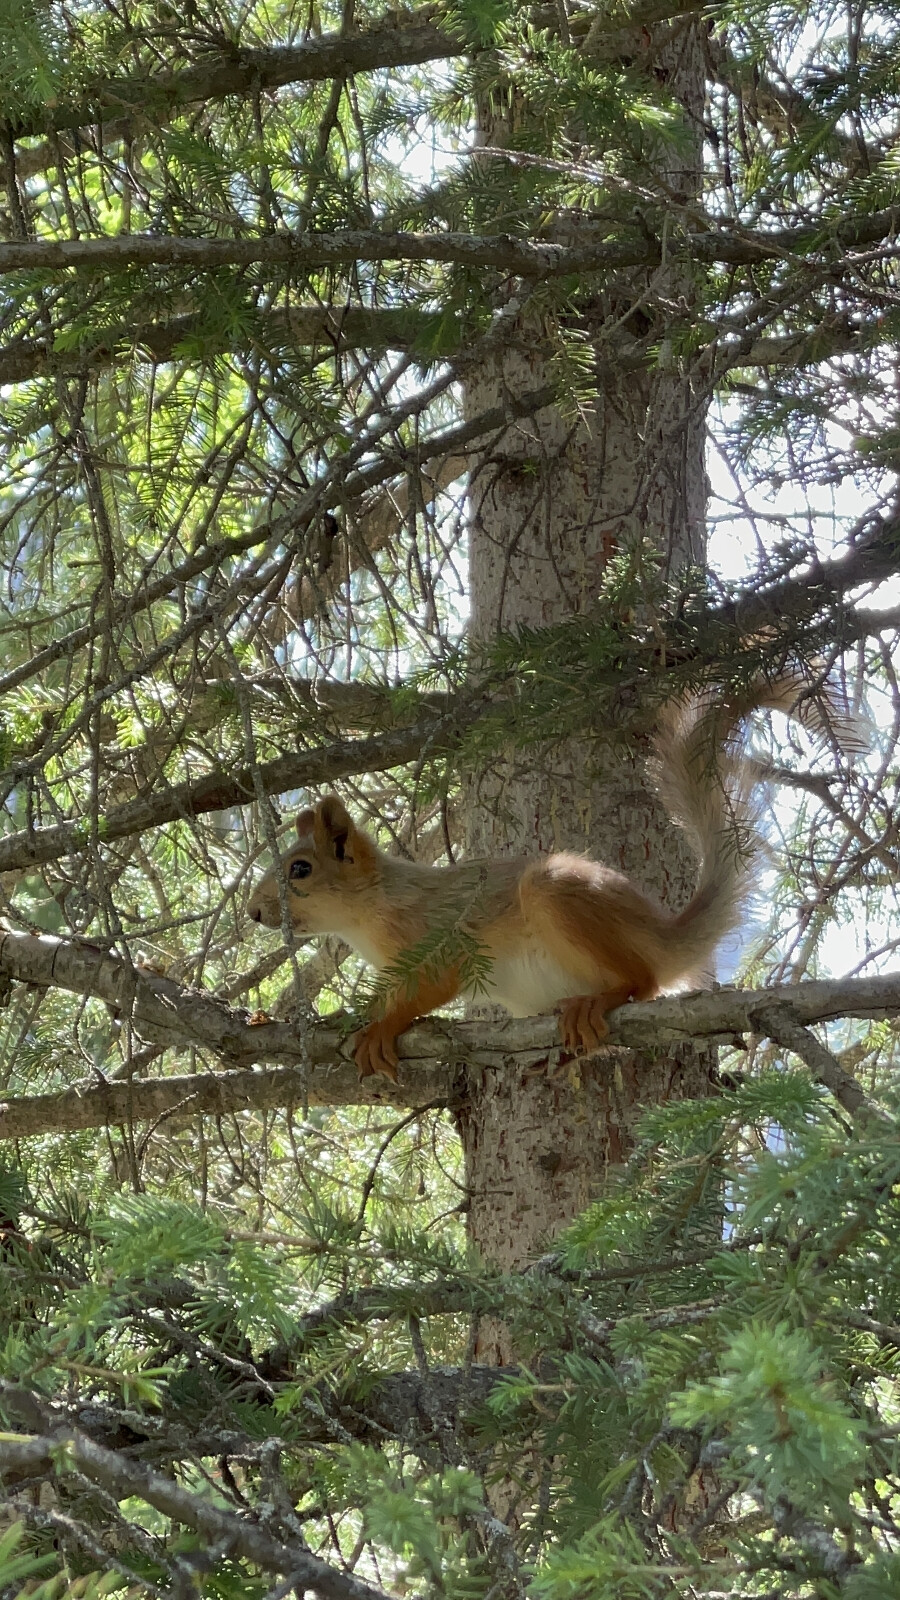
(530, 982)
(364, 947)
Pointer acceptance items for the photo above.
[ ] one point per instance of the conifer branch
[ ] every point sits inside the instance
(314, 1061)
(314, 326)
(220, 790)
(239, 70)
(118, 102)
(307, 251)
(806, 601)
(775, 1020)
(379, 328)
(340, 489)
(53, 1442)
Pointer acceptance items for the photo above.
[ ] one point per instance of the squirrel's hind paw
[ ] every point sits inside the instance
(375, 1050)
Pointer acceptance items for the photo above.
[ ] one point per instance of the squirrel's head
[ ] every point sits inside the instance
(330, 863)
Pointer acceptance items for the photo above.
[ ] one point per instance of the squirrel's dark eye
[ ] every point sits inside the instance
(300, 868)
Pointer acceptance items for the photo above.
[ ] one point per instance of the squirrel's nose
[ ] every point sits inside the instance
(256, 915)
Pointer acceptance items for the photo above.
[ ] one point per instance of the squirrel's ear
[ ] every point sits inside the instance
(333, 826)
(305, 823)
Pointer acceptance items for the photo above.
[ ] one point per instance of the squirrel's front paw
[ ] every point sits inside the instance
(375, 1050)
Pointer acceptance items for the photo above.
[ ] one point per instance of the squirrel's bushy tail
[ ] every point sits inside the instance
(709, 785)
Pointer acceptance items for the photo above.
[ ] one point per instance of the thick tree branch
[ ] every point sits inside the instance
(241, 71)
(774, 1019)
(505, 252)
(328, 328)
(308, 251)
(379, 1302)
(818, 588)
(315, 1061)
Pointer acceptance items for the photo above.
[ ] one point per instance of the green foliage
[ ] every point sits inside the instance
(785, 1426)
(648, 1342)
(480, 21)
(145, 1235)
(447, 947)
(22, 1571)
(15, 1565)
(609, 1562)
(32, 54)
(412, 1519)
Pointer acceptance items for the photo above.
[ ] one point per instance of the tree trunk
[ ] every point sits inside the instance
(556, 498)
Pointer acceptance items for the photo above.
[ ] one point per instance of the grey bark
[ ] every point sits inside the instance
(54, 1442)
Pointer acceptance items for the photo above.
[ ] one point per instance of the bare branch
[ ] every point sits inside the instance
(806, 598)
(342, 486)
(218, 791)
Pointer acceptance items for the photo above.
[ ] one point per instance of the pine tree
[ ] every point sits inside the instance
(359, 368)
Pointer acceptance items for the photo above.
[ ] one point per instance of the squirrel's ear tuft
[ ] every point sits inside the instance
(333, 826)
(306, 823)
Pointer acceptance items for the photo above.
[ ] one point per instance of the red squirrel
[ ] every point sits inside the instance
(556, 931)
